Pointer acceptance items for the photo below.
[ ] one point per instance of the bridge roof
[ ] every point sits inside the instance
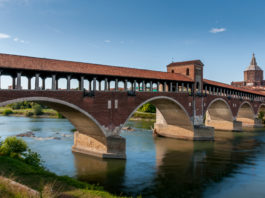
(191, 62)
(227, 86)
(51, 65)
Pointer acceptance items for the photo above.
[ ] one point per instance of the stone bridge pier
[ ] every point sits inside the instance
(173, 121)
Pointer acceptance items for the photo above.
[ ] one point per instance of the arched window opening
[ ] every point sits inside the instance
(187, 72)
(129, 85)
(74, 84)
(112, 85)
(155, 87)
(6, 82)
(120, 86)
(197, 86)
(62, 83)
(172, 71)
(148, 86)
(102, 85)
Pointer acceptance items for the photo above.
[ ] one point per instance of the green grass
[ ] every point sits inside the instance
(22, 112)
(37, 178)
(143, 115)
(7, 192)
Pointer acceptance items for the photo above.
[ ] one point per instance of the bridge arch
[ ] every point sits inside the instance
(246, 114)
(261, 108)
(83, 121)
(219, 109)
(219, 115)
(169, 112)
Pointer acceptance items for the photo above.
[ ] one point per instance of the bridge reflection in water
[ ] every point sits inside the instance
(168, 167)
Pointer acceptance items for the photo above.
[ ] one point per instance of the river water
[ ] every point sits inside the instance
(232, 166)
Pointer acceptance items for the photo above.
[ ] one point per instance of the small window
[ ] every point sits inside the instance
(198, 86)
(187, 72)
(172, 71)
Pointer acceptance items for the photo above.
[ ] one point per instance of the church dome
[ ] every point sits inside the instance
(253, 64)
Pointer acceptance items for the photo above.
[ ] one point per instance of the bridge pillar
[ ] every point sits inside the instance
(225, 125)
(19, 81)
(258, 123)
(251, 123)
(113, 147)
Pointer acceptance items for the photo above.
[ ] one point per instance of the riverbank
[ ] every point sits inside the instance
(50, 113)
(44, 181)
(46, 113)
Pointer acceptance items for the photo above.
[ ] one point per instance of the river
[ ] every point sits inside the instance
(232, 166)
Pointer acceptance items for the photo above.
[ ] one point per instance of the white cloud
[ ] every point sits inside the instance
(107, 41)
(4, 36)
(19, 40)
(217, 30)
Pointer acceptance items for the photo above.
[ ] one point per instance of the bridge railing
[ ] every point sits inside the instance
(56, 82)
(232, 94)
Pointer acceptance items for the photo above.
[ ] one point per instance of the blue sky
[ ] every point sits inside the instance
(138, 33)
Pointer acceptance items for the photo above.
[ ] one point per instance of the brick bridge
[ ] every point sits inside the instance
(188, 106)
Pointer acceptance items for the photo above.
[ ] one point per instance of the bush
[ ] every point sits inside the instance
(7, 112)
(37, 109)
(32, 158)
(148, 108)
(29, 114)
(13, 147)
(261, 115)
(20, 105)
(58, 115)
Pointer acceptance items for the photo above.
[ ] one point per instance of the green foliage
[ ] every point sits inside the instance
(148, 108)
(13, 147)
(37, 109)
(7, 112)
(58, 115)
(32, 158)
(144, 115)
(37, 177)
(21, 105)
(29, 113)
(261, 115)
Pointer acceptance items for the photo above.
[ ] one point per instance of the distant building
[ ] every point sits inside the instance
(253, 77)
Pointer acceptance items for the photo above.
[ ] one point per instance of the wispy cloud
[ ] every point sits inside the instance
(15, 39)
(107, 41)
(19, 40)
(217, 30)
(4, 36)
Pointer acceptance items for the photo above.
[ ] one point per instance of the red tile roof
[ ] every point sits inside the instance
(51, 65)
(195, 62)
(223, 85)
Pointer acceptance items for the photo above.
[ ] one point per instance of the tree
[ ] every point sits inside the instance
(13, 147)
(37, 109)
(148, 108)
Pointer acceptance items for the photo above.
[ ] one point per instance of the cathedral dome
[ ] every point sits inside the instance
(253, 64)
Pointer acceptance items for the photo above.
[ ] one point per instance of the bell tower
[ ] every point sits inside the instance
(191, 69)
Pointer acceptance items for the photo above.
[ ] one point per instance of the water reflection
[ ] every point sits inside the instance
(231, 166)
(109, 173)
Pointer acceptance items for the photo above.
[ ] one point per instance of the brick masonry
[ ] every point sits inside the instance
(117, 115)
